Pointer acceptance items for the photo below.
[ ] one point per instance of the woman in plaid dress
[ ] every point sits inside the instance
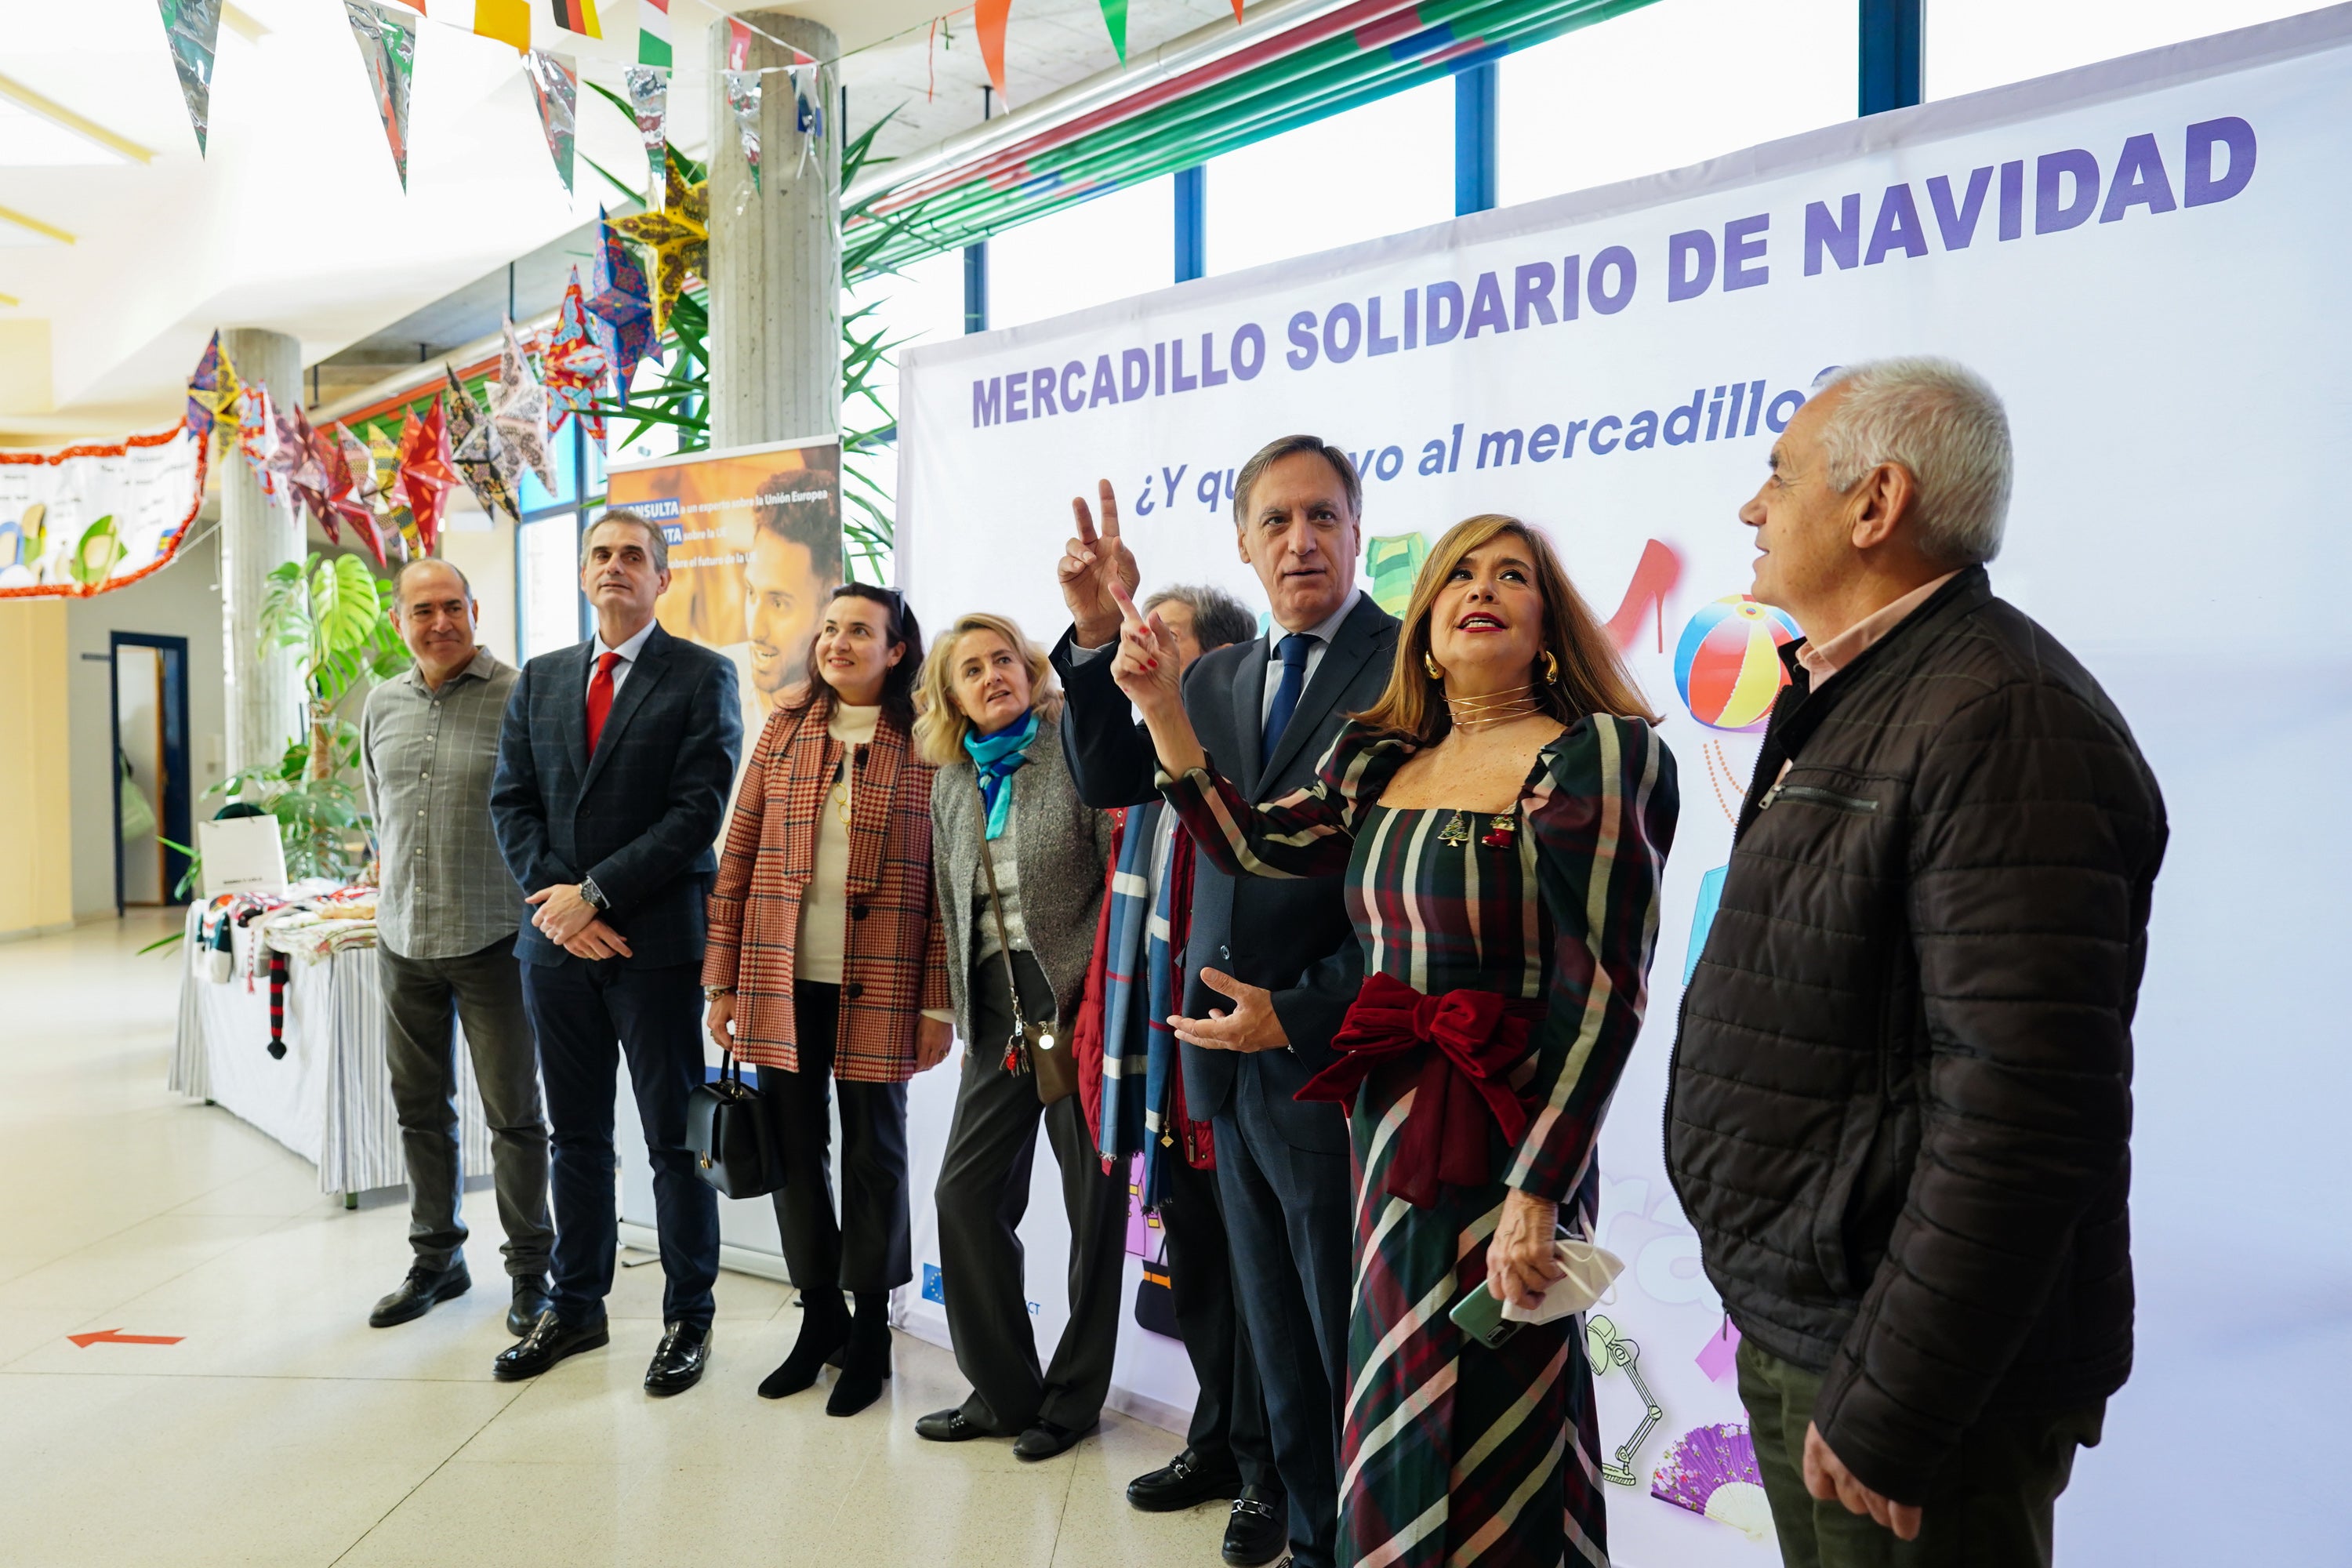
(1504, 815)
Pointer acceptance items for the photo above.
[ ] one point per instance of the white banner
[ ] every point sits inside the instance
(2144, 257)
(85, 519)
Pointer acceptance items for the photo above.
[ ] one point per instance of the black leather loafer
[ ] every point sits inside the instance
(950, 1426)
(1259, 1529)
(420, 1293)
(678, 1365)
(529, 1300)
(1045, 1439)
(549, 1341)
(1184, 1482)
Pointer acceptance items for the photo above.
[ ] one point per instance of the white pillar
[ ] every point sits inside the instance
(775, 265)
(264, 700)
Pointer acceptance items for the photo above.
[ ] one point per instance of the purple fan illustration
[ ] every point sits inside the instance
(1711, 1470)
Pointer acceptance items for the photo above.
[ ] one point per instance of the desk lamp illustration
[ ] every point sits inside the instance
(1605, 1348)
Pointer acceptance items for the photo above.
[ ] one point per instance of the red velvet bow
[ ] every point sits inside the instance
(1478, 1035)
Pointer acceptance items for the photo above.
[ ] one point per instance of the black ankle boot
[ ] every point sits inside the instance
(824, 1327)
(865, 1364)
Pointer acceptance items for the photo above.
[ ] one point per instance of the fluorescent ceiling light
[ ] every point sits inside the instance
(35, 130)
(22, 229)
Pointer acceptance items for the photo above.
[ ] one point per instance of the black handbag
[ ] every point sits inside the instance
(735, 1149)
(1155, 1297)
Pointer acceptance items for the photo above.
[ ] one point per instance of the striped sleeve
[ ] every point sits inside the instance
(1603, 818)
(1308, 832)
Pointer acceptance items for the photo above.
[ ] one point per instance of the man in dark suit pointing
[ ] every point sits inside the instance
(1271, 967)
(614, 766)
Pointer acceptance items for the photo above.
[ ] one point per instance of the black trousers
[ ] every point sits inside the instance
(867, 1248)
(1288, 1212)
(424, 999)
(1229, 1417)
(588, 1015)
(984, 1192)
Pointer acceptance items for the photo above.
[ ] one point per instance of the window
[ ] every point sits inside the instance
(1985, 43)
(1115, 246)
(1381, 168)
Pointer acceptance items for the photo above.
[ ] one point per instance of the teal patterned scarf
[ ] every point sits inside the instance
(997, 757)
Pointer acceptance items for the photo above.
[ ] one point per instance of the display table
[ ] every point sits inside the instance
(329, 1098)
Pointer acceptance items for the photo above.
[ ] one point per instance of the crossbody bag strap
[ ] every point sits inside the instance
(996, 908)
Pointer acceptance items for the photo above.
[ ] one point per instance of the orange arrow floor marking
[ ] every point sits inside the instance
(117, 1337)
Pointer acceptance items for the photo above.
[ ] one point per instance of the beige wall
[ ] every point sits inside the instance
(36, 803)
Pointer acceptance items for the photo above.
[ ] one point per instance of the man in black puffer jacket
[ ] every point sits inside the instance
(1900, 1109)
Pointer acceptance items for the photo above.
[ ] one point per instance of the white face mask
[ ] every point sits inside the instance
(1591, 1272)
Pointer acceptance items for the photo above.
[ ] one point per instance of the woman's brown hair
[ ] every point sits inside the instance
(939, 724)
(1592, 679)
(902, 629)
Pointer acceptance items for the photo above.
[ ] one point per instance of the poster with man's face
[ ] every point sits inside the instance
(754, 552)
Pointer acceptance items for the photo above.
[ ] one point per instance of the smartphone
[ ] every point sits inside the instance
(1480, 1315)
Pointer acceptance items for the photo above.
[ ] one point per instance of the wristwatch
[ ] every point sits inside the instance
(713, 993)
(593, 894)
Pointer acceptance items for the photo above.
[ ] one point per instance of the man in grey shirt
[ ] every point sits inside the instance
(445, 923)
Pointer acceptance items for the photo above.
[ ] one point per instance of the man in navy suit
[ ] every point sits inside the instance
(1270, 969)
(614, 766)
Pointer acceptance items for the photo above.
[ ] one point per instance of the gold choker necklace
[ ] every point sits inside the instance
(1476, 713)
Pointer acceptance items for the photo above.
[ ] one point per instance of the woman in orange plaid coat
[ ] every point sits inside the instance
(826, 965)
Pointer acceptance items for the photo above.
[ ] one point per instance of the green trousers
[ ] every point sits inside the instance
(1990, 1507)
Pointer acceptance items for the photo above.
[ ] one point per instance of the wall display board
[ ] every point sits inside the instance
(2142, 258)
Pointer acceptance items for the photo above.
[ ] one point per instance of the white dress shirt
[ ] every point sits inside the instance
(627, 651)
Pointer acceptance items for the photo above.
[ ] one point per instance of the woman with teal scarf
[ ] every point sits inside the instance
(988, 722)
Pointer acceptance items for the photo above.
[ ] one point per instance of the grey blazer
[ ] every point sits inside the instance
(1063, 845)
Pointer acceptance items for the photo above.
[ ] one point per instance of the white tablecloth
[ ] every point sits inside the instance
(329, 1098)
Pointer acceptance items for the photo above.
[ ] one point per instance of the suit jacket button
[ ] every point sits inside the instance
(854, 991)
(857, 911)
(1226, 954)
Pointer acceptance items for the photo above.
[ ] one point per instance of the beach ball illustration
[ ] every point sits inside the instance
(1728, 662)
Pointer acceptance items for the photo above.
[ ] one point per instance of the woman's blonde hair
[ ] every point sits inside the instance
(940, 725)
(1592, 679)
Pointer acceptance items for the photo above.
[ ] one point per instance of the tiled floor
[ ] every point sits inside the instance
(282, 1430)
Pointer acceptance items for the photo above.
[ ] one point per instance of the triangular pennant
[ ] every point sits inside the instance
(555, 83)
(652, 35)
(192, 30)
(508, 21)
(387, 41)
(988, 21)
(738, 44)
(1115, 19)
(743, 98)
(578, 16)
(649, 101)
(620, 311)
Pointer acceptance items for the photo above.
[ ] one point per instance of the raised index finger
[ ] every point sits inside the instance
(1127, 610)
(1109, 500)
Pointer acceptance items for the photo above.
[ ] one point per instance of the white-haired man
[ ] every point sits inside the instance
(1901, 1099)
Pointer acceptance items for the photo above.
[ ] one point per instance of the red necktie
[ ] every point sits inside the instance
(600, 696)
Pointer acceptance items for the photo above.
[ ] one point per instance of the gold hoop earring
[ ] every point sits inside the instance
(1552, 668)
(1429, 663)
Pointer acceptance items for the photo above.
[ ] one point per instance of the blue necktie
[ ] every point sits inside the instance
(1293, 650)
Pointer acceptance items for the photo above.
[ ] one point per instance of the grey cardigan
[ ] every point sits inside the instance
(1063, 846)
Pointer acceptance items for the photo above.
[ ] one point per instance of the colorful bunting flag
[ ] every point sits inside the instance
(508, 21)
(743, 98)
(555, 83)
(426, 472)
(1115, 19)
(212, 394)
(652, 35)
(649, 101)
(469, 444)
(387, 41)
(578, 16)
(620, 312)
(345, 459)
(192, 30)
(574, 365)
(738, 44)
(988, 21)
(678, 234)
(519, 418)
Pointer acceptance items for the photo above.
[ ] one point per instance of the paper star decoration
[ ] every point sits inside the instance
(212, 394)
(469, 443)
(297, 458)
(574, 365)
(257, 434)
(347, 492)
(620, 311)
(426, 472)
(519, 418)
(679, 236)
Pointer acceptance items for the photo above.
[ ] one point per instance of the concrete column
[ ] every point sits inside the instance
(263, 695)
(775, 253)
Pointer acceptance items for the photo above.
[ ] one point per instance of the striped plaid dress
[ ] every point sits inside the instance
(1452, 1453)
